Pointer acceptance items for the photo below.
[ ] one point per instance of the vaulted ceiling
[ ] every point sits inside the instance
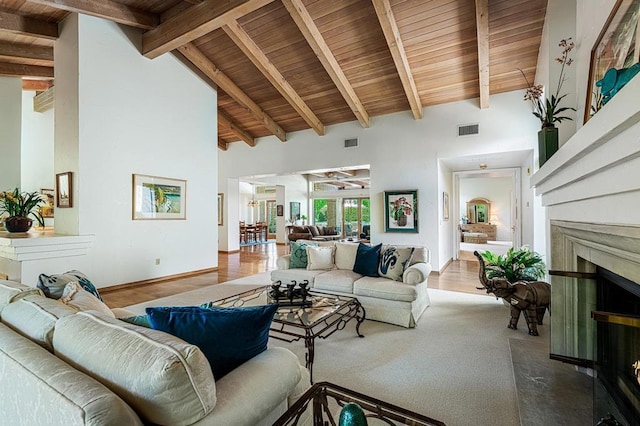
(287, 65)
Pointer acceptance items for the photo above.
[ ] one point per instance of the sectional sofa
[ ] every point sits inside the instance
(61, 365)
(399, 301)
(312, 232)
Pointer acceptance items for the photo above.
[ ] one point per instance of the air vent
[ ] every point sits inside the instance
(468, 129)
(350, 143)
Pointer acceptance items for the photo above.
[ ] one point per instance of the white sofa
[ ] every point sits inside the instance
(61, 366)
(386, 300)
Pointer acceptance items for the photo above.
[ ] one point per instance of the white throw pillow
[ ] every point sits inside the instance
(346, 255)
(76, 296)
(320, 258)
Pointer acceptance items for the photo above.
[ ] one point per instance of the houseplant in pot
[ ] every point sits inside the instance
(16, 207)
(517, 265)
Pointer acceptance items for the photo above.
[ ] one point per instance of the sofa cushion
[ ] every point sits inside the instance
(11, 290)
(367, 260)
(345, 256)
(228, 337)
(320, 258)
(165, 379)
(393, 262)
(77, 297)
(383, 288)
(35, 317)
(339, 280)
(298, 255)
(53, 285)
(38, 388)
(420, 253)
(314, 230)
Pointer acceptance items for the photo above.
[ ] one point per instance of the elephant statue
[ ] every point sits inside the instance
(531, 297)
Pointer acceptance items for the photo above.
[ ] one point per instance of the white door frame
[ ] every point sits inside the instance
(516, 203)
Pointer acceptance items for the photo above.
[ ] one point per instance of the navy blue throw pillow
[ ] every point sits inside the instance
(228, 337)
(367, 260)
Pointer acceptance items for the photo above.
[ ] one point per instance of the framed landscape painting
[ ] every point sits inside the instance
(401, 211)
(64, 190)
(159, 198)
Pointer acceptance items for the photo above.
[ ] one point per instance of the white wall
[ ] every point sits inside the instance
(498, 190)
(130, 115)
(37, 146)
(10, 123)
(402, 153)
(446, 227)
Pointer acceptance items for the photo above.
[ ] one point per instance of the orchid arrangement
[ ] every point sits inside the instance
(23, 204)
(548, 110)
(400, 207)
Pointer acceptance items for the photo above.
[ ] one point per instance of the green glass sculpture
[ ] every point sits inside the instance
(352, 415)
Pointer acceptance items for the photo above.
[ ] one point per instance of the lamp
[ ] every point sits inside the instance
(493, 218)
(253, 203)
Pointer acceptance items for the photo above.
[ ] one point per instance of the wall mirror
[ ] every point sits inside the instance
(479, 210)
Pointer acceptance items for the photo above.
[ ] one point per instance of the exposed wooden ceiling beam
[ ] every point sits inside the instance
(227, 123)
(260, 60)
(20, 70)
(350, 173)
(26, 54)
(392, 34)
(307, 26)
(482, 25)
(195, 22)
(222, 145)
(38, 85)
(107, 9)
(27, 26)
(197, 58)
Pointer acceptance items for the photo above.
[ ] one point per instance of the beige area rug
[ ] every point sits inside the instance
(455, 366)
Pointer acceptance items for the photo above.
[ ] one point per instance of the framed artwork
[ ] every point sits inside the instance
(64, 197)
(49, 196)
(295, 211)
(613, 56)
(220, 206)
(445, 206)
(401, 211)
(279, 210)
(159, 198)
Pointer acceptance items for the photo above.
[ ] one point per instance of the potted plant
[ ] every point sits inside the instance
(304, 219)
(517, 265)
(19, 206)
(548, 109)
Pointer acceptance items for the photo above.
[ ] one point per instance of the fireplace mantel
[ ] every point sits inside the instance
(602, 159)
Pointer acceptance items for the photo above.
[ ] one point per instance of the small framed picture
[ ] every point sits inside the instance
(445, 206)
(280, 210)
(159, 198)
(64, 194)
(220, 206)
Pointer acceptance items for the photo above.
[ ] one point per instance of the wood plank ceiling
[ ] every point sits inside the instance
(287, 65)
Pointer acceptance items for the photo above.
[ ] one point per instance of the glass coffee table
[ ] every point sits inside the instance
(326, 314)
(324, 401)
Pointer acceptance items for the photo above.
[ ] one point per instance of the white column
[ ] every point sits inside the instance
(10, 132)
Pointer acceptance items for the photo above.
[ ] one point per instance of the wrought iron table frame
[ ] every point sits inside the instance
(331, 317)
(321, 394)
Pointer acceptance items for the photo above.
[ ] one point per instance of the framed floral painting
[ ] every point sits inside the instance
(401, 211)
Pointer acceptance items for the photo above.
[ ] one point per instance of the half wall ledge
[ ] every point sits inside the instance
(23, 256)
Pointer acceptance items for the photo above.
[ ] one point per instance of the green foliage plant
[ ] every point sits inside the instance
(23, 204)
(517, 265)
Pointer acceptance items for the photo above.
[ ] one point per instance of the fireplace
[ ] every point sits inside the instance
(595, 311)
(617, 357)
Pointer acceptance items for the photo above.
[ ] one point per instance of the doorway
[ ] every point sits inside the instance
(356, 216)
(501, 228)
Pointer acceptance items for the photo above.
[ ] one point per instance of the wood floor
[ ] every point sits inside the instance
(459, 276)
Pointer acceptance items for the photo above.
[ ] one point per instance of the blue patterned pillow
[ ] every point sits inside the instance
(299, 257)
(53, 285)
(228, 337)
(393, 262)
(367, 260)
